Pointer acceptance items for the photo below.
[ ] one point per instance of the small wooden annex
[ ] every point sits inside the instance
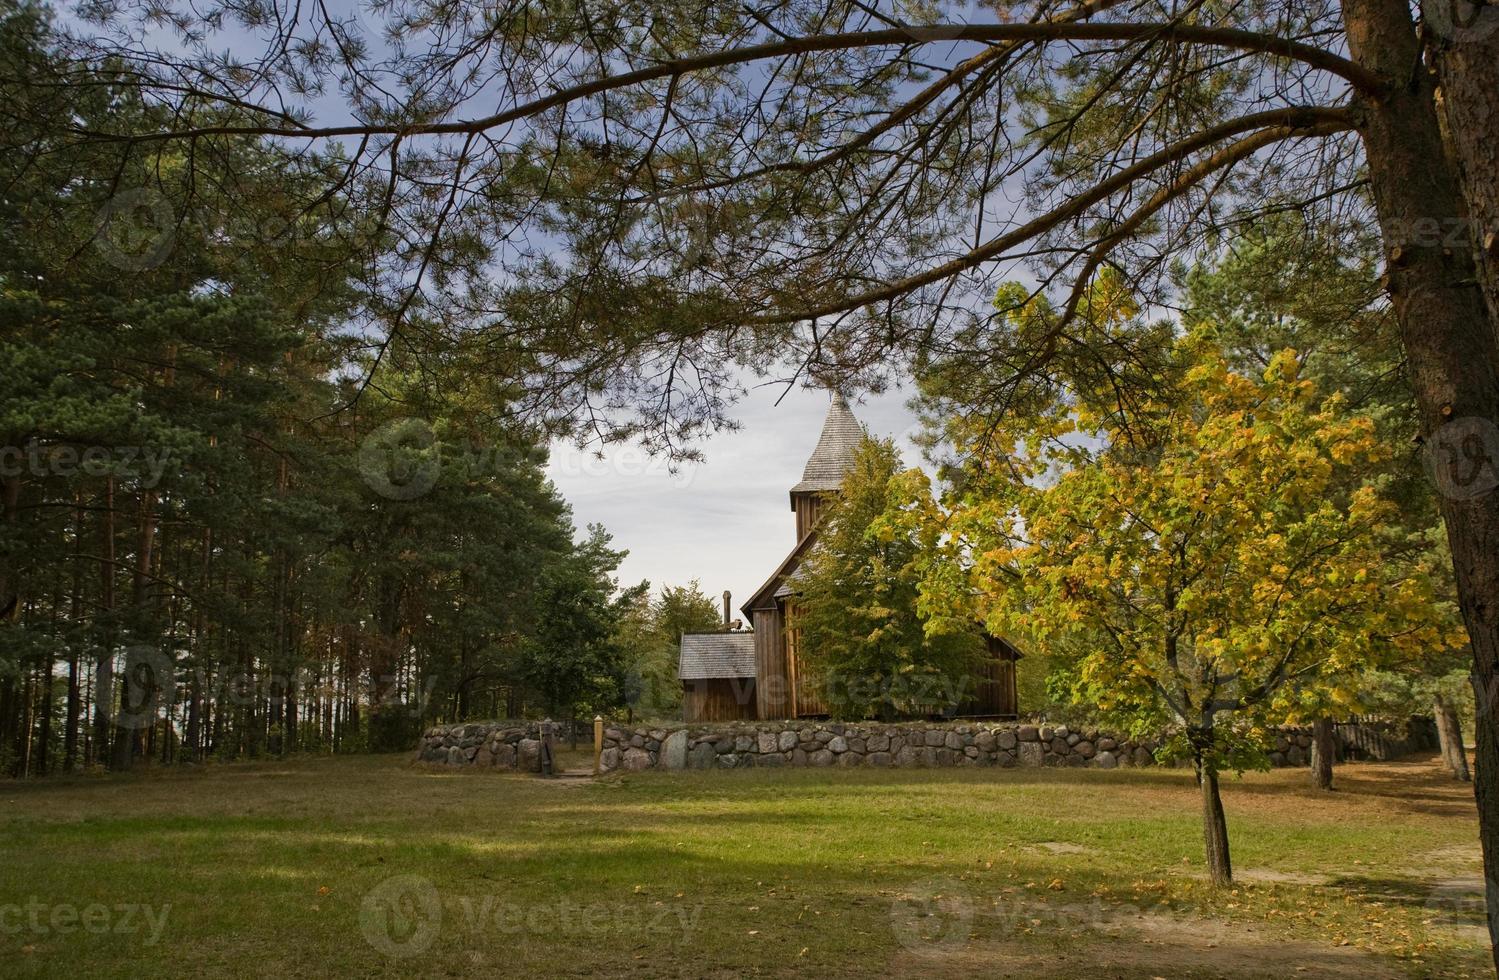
(756, 674)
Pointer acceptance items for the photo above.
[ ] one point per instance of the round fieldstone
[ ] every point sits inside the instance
(837, 744)
(1028, 733)
(1084, 749)
(1106, 744)
(822, 757)
(1105, 760)
(879, 759)
(1006, 740)
(728, 760)
(786, 741)
(953, 741)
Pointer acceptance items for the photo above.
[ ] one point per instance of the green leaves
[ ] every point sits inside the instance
(865, 624)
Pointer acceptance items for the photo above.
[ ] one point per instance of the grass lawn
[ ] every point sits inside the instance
(370, 866)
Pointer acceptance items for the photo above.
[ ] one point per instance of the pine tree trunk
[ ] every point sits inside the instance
(1450, 738)
(104, 666)
(1464, 40)
(44, 709)
(1324, 751)
(1214, 826)
(75, 692)
(1452, 348)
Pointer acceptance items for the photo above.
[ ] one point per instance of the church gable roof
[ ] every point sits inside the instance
(765, 595)
(708, 656)
(841, 435)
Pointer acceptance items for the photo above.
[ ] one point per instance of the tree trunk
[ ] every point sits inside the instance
(1214, 826)
(104, 664)
(1324, 751)
(1452, 349)
(1450, 738)
(1464, 39)
(139, 684)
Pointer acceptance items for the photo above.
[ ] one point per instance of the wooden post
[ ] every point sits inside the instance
(598, 742)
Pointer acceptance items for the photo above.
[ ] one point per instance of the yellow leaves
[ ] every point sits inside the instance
(1284, 366)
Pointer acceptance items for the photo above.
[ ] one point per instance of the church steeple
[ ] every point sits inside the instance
(823, 474)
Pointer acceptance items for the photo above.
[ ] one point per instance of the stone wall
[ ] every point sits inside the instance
(516, 745)
(490, 744)
(877, 745)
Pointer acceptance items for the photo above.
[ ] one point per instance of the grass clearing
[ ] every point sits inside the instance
(340, 866)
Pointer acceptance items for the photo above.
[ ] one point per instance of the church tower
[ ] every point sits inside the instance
(823, 474)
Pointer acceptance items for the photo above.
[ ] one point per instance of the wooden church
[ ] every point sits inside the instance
(755, 674)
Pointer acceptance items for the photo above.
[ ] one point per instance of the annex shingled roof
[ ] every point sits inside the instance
(713, 655)
(841, 435)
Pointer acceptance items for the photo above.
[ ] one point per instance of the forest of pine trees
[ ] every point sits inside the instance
(209, 546)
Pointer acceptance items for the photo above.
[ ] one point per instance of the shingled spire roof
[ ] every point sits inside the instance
(841, 435)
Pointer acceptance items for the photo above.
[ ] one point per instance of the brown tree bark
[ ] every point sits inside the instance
(1451, 345)
(1324, 752)
(1214, 826)
(1450, 738)
(1464, 41)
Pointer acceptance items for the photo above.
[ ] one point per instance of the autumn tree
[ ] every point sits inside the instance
(1281, 284)
(1211, 556)
(863, 637)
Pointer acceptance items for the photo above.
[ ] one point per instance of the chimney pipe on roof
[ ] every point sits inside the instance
(726, 623)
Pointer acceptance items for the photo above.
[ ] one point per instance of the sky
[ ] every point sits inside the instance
(726, 521)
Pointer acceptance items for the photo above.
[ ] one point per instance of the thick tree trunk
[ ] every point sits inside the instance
(1324, 751)
(1464, 40)
(1452, 349)
(1214, 826)
(1450, 738)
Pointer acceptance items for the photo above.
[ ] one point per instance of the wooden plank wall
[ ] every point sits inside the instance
(770, 664)
(808, 508)
(719, 699)
(994, 692)
(805, 702)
